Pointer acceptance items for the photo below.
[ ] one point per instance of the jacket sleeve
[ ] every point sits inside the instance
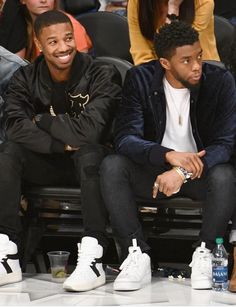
(93, 124)
(129, 128)
(203, 14)
(20, 113)
(142, 50)
(204, 24)
(221, 146)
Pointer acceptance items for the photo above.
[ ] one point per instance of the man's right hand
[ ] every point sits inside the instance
(188, 160)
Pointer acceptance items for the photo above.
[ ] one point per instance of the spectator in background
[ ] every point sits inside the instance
(146, 16)
(33, 8)
(13, 34)
(227, 9)
(118, 7)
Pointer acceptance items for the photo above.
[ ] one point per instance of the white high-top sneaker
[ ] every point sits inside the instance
(135, 270)
(201, 276)
(89, 273)
(10, 270)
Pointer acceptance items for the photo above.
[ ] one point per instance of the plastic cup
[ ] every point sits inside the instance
(58, 263)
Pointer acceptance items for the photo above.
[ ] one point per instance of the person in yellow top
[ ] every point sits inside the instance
(145, 17)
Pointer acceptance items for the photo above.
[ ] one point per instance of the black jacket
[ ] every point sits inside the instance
(92, 93)
(141, 121)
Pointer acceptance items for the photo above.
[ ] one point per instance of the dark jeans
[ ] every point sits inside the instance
(123, 181)
(21, 166)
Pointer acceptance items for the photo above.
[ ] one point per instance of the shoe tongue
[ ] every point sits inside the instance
(133, 249)
(89, 241)
(201, 250)
(90, 245)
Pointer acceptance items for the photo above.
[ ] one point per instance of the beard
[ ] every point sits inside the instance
(189, 85)
(184, 82)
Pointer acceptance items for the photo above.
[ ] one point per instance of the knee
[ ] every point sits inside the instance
(91, 154)
(87, 160)
(222, 175)
(113, 166)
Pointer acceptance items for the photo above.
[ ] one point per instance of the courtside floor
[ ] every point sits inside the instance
(39, 290)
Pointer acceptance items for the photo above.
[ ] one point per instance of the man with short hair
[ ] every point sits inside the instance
(59, 112)
(174, 135)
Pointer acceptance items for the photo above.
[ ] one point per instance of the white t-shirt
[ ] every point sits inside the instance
(178, 133)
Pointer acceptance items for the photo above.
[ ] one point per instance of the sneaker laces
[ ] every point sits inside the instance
(132, 260)
(85, 258)
(201, 260)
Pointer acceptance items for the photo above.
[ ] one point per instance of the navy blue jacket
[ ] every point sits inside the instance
(141, 120)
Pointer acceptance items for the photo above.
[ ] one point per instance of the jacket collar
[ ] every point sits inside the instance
(157, 83)
(79, 66)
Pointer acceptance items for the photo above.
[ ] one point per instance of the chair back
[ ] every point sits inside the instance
(109, 34)
(225, 34)
(76, 8)
(122, 65)
(216, 63)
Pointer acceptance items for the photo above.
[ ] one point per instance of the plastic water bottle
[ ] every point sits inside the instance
(219, 267)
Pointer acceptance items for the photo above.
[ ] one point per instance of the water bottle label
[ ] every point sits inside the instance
(220, 274)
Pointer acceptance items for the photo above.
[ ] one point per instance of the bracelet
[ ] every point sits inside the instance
(183, 173)
(176, 168)
(172, 17)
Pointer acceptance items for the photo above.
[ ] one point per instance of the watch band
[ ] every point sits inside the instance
(183, 173)
(172, 17)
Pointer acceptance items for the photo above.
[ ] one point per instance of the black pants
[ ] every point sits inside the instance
(123, 181)
(19, 166)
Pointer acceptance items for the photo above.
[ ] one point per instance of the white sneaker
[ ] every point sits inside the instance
(135, 270)
(10, 270)
(201, 276)
(89, 273)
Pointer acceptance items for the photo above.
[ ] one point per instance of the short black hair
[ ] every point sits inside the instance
(173, 35)
(49, 18)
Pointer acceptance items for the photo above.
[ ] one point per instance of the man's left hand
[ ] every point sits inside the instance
(168, 183)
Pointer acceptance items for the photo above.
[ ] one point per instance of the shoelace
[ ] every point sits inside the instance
(202, 261)
(130, 262)
(84, 259)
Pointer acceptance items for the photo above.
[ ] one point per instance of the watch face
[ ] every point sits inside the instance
(185, 173)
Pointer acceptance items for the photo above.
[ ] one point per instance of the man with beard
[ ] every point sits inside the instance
(174, 135)
(59, 112)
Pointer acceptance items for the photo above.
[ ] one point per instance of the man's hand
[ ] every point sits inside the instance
(69, 148)
(168, 183)
(188, 160)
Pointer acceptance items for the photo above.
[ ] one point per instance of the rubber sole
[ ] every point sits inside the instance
(100, 281)
(132, 286)
(201, 284)
(10, 278)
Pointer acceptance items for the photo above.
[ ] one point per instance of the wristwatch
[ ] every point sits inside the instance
(186, 174)
(173, 17)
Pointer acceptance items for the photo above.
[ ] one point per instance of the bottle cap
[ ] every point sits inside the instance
(219, 240)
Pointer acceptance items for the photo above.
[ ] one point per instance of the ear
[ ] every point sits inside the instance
(22, 2)
(38, 44)
(165, 63)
